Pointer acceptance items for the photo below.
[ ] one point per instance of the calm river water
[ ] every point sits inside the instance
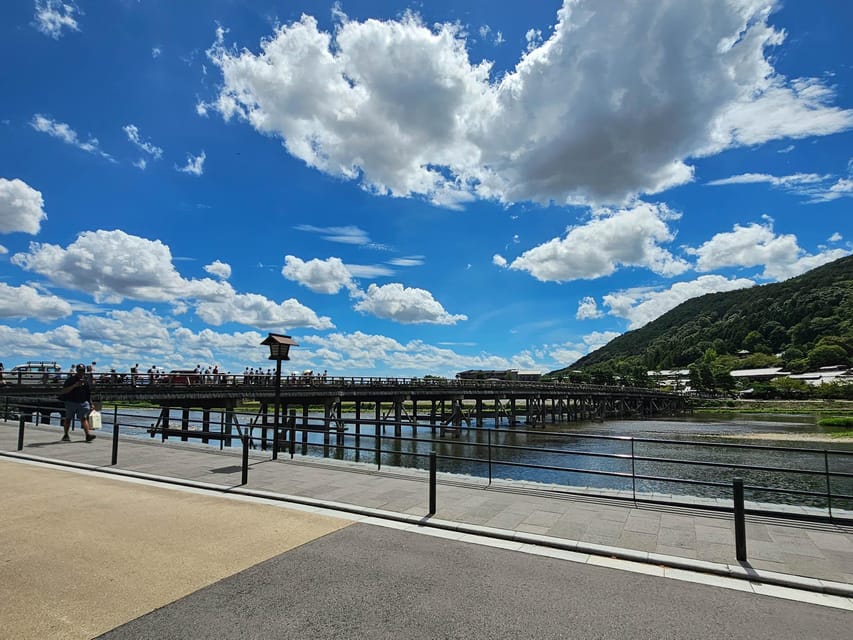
(643, 455)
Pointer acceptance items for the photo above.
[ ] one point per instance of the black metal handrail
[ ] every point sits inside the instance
(489, 453)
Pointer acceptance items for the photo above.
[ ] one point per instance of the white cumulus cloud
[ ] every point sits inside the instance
(406, 305)
(321, 276)
(21, 207)
(219, 269)
(255, 310)
(113, 265)
(588, 309)
(627, 237)
(28, 302)
(758, 244)
(641, 306)
(109, 265)
(401, 108)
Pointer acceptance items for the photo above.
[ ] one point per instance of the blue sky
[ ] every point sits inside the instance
(406, 189)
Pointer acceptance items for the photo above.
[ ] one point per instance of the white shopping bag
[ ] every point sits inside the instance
(94, 419)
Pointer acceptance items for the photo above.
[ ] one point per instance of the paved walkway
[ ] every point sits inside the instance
(811, 556)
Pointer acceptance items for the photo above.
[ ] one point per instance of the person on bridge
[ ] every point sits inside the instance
(77, 394)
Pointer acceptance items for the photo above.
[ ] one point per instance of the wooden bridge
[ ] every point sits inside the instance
(437, 402)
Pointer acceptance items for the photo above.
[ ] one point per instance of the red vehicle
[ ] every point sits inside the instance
(178, 376)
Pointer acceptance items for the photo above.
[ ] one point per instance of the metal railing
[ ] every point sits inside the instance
(791, 482)
(16, 381)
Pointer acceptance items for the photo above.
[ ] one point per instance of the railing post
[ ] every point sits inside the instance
(275, 442)
(21, 432)
(378, 447)
(432, 460)
(740, 521)
(245, 474)
(489, 449)
(633, 472)
(291, 423)
(115, 441)
(828, 483)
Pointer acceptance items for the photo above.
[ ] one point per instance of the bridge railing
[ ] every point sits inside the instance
(34, 382)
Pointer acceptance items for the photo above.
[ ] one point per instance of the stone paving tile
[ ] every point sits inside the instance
(713, 535)
(613, 515)
(604, 528)
(756, 532)
(570, 530)
(676, 551)
(798, 547)
(831, 541)
(722, 553)
(809, 566)
(607, 541)
(766, 551)
(682, 537)
(503, 520)
(532, 528)
(840, 558)
(541, 518)
(644, 523)
(638, 541)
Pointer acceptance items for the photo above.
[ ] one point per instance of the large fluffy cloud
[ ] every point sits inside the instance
(113, 265)
(758, 244)
(322, 276)
(28, 302)
(641, 306)
(629, 237)
(109, 265)
(406, 305)
(115, 326)
(256, 310)
(612, 104)
(21, 207)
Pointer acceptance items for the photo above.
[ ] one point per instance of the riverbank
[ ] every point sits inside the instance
(794, 437)
(823, 407)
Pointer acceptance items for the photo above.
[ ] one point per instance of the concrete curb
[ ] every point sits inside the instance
(738, 571)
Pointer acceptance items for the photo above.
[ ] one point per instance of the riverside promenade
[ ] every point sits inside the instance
(801, 561)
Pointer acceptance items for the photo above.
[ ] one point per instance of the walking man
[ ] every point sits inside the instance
(76, 393)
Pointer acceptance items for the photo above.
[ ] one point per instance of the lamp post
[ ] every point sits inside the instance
(279, 350)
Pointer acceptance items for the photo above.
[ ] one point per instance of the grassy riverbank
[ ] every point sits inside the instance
(834, 416)
(820, 407)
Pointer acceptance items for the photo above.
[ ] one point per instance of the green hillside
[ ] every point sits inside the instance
(802, 323)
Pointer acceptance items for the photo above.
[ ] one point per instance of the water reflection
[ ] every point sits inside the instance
(628, 456)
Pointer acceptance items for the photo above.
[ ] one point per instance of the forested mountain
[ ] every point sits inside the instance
(802, 323)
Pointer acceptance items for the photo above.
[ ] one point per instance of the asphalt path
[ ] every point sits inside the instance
(369, 582)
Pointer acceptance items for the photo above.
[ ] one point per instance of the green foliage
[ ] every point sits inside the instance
(837, 421)
(790, 389)
(807, 319)
(825, 355)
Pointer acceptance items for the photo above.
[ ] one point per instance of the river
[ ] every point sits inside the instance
(644, 456)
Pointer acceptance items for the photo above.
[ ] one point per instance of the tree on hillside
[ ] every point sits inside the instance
(826, 355)
(788, 388)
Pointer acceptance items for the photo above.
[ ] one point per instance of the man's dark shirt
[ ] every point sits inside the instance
(79, 394)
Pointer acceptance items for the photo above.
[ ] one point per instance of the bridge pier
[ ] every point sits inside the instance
(205, 424)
